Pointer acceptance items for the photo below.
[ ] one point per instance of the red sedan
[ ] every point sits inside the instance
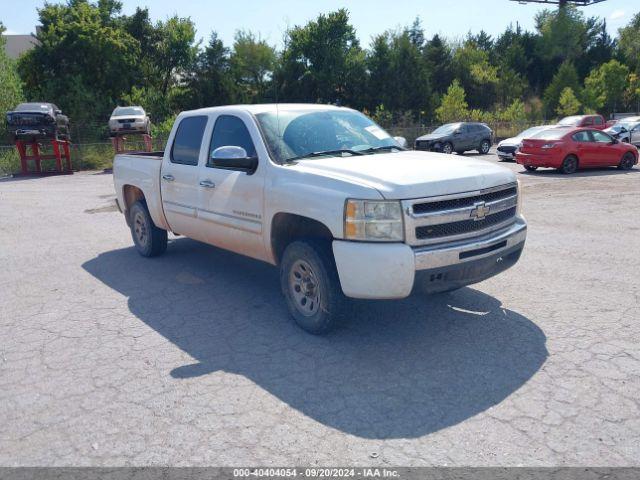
(568, 149)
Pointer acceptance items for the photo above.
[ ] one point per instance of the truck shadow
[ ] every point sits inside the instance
(398, 369)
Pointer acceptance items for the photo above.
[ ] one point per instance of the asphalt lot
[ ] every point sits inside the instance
(107, 358)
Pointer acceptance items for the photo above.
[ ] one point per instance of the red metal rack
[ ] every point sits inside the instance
(120, 144)
(60, 153)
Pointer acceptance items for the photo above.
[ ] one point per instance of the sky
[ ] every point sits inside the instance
(271, 18)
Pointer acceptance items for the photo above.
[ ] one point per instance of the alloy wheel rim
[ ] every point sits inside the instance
(447, 148)
(305, 288)
(485, 147)
(140, 228)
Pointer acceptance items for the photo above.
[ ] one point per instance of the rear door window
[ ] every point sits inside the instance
(186, 145)
(582, 136)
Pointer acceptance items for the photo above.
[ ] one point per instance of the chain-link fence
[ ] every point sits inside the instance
(91, 146)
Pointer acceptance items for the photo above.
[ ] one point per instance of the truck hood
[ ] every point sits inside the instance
(432, 136)
(513, 141)
(411, 174)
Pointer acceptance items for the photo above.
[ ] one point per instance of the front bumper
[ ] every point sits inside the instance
(393, 270)
(132, 128)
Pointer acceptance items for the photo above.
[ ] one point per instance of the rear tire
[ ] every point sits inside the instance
(569, 165)
(311, 287)
(530, 168)
(627, 162)
(150, 241)
(484, 148)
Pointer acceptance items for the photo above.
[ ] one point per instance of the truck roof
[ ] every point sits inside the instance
(268, 107)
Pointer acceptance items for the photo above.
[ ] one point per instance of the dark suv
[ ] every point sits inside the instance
(457, 137)
(32, 121)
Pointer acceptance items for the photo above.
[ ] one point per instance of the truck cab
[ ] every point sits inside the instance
(340, 206)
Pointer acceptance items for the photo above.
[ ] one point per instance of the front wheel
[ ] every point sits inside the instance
(311, 287)
(530, 168)
(447, 148)
(627, 162)
(485, 146)
(150, 241)
(569, 165)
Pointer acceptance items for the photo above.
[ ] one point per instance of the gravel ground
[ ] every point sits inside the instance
(107, 358)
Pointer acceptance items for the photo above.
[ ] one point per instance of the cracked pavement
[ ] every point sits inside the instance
(110, 359)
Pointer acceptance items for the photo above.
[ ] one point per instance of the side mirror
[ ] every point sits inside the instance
(233, 158)
(401, 141)
(58, 112)
(457, 132)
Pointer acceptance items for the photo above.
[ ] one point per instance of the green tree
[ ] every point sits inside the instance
(567, 76)
(210, 83)
(399, 76)
(454, 105)
(83, 61)
(605, 86)
(476, 74)
(565, 34)
(319, 57)
(568, 103)
(438, 57)
(11, 90)
(252, 63)
(629, 43)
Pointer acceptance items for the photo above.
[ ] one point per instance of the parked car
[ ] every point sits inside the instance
(457, 137)
(591, 121)
(625, 131)
(570, 149)
(507, 148)
(33, 121)
(328, 196)
(630, 119)
(129, 120)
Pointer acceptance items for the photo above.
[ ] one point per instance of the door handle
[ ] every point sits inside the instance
(207, 184)
(168, 177)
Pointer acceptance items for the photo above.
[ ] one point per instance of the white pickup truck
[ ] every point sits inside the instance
(327, 195)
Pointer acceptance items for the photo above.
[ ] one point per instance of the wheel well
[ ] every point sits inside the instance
(288, 227)
(574, 156)
(131, 195)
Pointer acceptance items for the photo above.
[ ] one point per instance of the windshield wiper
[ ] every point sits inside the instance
(382, 149)
(324, 153)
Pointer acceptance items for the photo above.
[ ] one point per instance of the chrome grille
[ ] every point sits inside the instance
(456, 217)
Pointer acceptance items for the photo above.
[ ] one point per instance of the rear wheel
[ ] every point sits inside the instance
(569, 165)
(150, 241)
(485, 146)
(530, 168)
(311, 287)
(447, 148)
(627, 162)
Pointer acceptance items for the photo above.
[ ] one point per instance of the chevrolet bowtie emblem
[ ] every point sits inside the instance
(480, 211)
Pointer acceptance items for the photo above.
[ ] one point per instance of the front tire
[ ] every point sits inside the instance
(485, 146)
(530, 168)
(569, 165)
(627, 162)
(447, 148)
(150, 241)
(311, 287)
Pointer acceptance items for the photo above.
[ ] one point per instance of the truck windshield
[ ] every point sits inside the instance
(294, 134)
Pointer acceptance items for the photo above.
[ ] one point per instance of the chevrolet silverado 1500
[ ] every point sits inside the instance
(330, 197)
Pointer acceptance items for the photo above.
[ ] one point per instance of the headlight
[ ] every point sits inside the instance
(373, 220)
(519, 198)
